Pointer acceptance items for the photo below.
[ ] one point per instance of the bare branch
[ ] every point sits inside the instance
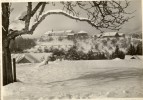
(33, 11)
(28, 17)
(42, 9)
(15, 34)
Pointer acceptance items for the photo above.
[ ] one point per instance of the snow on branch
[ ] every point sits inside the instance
(60, 12)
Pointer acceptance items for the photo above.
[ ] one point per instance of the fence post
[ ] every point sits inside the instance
(14, 69)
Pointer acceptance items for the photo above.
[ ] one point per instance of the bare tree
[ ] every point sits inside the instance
(8, 35)
(99, 14)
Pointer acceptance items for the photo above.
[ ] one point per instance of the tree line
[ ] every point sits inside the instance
(20, 44)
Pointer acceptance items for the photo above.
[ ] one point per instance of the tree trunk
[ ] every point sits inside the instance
(7, 66)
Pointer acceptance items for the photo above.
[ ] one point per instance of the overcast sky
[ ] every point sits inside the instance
(60, 22)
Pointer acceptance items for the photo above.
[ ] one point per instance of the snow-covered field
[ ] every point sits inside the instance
(77, 79)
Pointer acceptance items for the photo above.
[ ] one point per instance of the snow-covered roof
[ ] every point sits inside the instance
(58, 32)
(69, 31)
(55, 33)
(81, 32)
(70, 34)
(109, 34)
(51, 32)
(19, 57)
(31, 57)
(121, 34)
(132, 57)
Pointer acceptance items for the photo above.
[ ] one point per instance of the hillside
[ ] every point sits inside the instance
(77, 79)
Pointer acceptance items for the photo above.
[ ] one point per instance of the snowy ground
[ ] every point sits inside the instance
(77, 79)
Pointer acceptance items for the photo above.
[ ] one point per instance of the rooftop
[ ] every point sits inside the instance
(82, 32)
(69, 31)
(109, 34)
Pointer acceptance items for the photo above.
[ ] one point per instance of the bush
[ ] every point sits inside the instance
(39, 50)
(137, 35)
(41, 40)
(114, 41)
(118, 54)
(90, 55)
(60, 38)
(58, 52)
(95, 55)
(81, 55)
(121, 55)
(46, 50)
(52, 58)
(139, 49)
(104, 42)
(72, 54)
(131, 50)
(124, 43)
(50, 39)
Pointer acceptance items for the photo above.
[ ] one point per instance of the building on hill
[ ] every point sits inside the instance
(56, 33)
(66, 34)
(70, 34)
(121, 34)
(112, 35)
(81, 34)
(69, 31)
